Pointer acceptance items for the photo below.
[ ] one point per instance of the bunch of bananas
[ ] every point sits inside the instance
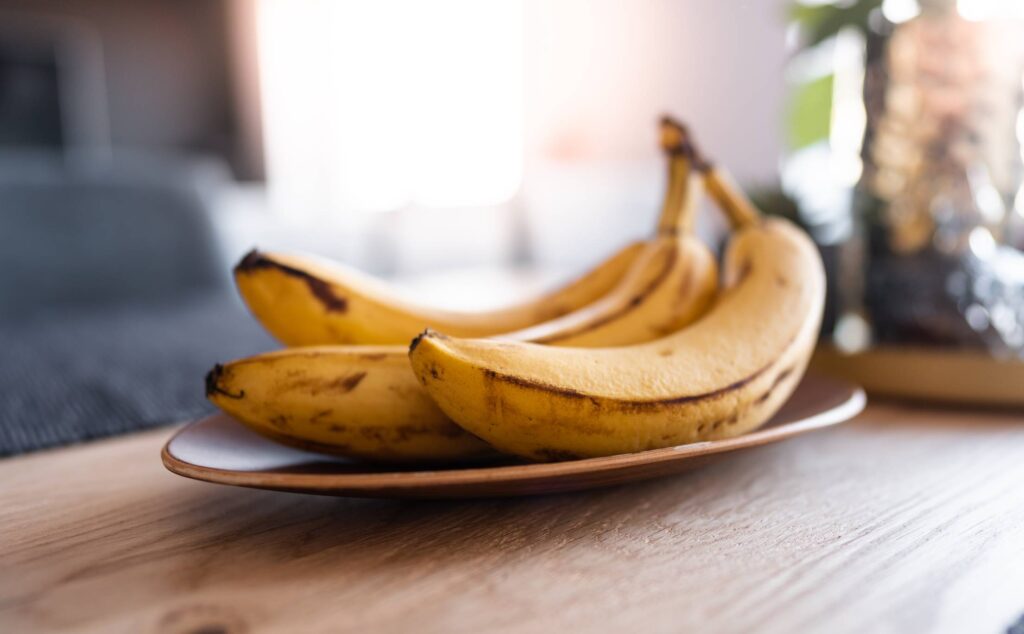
(647, 350)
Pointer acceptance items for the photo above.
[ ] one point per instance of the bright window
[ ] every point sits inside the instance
(385, 104)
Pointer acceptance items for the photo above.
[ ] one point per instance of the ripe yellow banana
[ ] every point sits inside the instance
(306, 301)
(303, 397)
(671, 284)
(721, 377)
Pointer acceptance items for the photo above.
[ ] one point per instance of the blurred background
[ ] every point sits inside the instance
(474, 152)
(399, 136)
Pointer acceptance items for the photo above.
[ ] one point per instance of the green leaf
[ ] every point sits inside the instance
(820, 22)
(810, 112)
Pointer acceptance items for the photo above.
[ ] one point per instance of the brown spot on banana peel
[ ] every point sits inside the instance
(390, 435)
(348, 383)
(731, 419)
(404, 433)
(435, 371)
(491, 399)
(280, 422)
(339, 336)
(782, 376)
(319, 416)
(343, 384)
(323, 291)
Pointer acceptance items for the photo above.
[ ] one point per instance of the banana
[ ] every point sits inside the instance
(721, 377)
(306, 301)
(301, 397)
(671, 284)
(303, 301)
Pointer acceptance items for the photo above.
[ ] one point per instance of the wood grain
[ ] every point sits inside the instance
(903, 521)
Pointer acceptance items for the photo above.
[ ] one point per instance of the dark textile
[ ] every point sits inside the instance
(91, 238)
(105, 371)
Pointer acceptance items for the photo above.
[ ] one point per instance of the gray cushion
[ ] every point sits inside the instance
(76, 242)
(105, 371)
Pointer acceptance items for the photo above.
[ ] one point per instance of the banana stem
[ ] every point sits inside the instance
(724, 190)
(730, 198)
(689, 205)
(676, 214)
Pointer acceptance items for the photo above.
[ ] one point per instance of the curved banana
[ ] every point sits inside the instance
(301, 397)
(723, 376)
(671, 284)
(303, 301)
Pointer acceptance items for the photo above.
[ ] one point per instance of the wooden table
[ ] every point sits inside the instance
(906, 520)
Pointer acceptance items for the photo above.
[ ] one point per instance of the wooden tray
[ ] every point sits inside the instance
(945, 376)
(221, 450)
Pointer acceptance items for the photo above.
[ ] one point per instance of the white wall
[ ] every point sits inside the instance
(598, 75)
(599, 72)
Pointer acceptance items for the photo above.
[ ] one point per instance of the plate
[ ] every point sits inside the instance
(221, 450)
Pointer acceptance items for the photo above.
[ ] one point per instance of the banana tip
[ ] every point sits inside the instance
(212, 377)
(213, 386)
(250, 261)
(428, 333)
(668, 121)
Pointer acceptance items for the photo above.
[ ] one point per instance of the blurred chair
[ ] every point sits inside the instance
(74, 235)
